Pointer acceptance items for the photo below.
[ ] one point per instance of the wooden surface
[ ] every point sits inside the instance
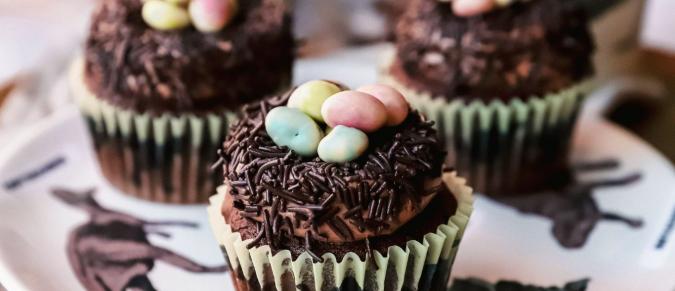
(5, 89)
(652, 119)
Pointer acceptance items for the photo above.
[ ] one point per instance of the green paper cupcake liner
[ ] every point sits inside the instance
(164, 158)
(503, 148)
(421, 265)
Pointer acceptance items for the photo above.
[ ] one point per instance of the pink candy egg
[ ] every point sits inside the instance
(354, 109)
(468, 8)
(212, 15)
(396, 105)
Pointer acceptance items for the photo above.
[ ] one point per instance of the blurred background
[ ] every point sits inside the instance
(635, 60)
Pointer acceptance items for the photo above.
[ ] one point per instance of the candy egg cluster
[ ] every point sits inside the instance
(345, 116)
(205, 15)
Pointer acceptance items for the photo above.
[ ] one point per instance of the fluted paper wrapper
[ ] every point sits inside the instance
(165, 158)
(503, 148)
(421, 265)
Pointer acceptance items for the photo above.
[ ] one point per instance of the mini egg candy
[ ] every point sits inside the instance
(292, 128)
(310, 96)
(212, 15)
(343, 144)
(354, 109)
(163, 15)
(472, 7)
(393, 100)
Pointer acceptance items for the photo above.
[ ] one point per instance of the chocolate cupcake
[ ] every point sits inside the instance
(384, 216)
(504, 87)
(159, 80)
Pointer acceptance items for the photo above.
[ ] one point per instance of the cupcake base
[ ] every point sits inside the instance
(507, 148)
(163, 158)
(421, 265)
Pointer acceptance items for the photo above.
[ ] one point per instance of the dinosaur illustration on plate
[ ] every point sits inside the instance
(571, 205)
(111, 251)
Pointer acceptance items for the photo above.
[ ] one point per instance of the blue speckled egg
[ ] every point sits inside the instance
(292, 128)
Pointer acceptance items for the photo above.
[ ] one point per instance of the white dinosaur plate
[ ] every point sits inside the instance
(54, 204)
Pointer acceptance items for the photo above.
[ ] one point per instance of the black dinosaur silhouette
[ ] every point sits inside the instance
(571, 206)
(111, 251)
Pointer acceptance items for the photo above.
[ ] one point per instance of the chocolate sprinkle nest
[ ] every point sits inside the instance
(529, 49)
(134, 66)
(267, 180)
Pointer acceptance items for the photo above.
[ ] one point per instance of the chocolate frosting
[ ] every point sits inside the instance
(441, 208)
(284, 194)
(136, 67)
(530, 48)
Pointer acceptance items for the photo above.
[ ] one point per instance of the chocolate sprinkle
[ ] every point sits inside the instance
(308, 247)
(308, 192)
(369, 250)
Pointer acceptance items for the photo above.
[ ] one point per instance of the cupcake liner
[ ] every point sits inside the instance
(164, 158)
(421, 265)
(503, 148)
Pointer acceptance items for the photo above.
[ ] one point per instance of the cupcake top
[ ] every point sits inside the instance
(358, 189)
(182, 56)
(527, 49)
